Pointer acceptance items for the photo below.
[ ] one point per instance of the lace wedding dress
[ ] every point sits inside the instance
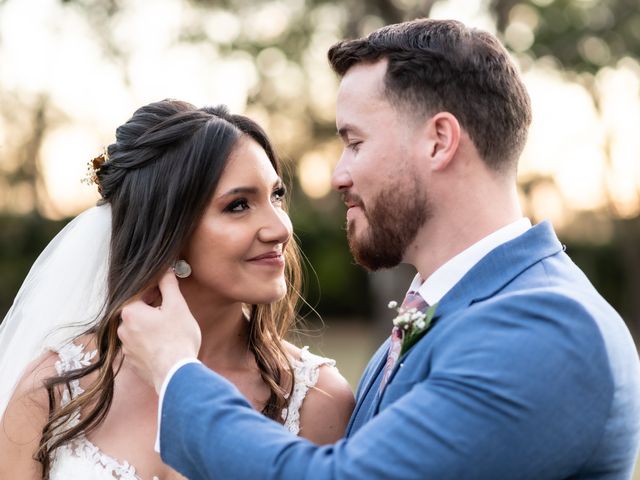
(82, 460)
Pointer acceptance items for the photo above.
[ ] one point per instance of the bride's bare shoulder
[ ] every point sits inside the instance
(24, 418)
(291, 350)
(27, 411)
(31, 391)
(31, 386)
(327, 406)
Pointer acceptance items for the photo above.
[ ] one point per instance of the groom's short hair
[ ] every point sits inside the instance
(443, 65)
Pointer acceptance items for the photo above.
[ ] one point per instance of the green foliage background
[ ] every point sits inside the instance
(580, 36)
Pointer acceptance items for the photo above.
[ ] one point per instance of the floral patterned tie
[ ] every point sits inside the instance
(411, 300)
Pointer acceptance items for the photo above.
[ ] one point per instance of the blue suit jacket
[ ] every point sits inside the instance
(526, 373)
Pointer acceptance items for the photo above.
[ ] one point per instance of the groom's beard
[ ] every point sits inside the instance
(394, 218)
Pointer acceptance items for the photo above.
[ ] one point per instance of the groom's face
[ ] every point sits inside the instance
(386, 199)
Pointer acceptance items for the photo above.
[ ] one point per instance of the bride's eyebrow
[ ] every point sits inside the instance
(240, 190)
(247, 190)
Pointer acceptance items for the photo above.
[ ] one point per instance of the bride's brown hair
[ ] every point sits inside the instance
(159, 177)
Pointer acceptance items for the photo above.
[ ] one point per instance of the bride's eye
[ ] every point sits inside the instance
(279, 194)
(238, 205)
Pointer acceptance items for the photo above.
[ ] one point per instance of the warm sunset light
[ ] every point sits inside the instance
(591, 155)
(501, 295)
(315, 175)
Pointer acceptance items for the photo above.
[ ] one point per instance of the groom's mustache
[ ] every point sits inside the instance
(352, 200)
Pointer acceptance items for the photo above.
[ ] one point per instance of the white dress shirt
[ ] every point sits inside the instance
(446, 276)
(163, 389)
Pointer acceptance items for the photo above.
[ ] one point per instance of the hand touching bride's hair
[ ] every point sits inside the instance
(159, 177)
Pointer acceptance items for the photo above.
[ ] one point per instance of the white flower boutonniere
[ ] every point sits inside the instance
(412, 324)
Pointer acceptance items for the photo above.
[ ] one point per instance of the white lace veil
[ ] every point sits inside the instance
(64, 292)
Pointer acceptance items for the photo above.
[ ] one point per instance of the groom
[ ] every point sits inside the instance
(524, 371)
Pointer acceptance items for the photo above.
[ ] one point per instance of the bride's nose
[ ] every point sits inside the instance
(276, 226)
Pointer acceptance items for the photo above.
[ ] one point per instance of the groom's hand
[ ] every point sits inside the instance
(155, 338)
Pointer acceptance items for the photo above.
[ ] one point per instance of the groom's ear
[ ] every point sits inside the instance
(442, 133)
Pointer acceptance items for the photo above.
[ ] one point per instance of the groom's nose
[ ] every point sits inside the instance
(341, 178)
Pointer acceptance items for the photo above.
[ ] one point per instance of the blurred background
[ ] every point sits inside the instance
(71, 71)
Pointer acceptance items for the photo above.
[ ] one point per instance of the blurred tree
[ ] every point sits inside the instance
(583, 35)
(22, 180)
(293, 98)
(22, 238)
(24, 232)
(585, 38)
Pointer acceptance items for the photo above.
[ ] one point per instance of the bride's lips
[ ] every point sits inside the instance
(269, 259)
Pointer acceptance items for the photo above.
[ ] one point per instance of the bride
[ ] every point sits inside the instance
(198, 190)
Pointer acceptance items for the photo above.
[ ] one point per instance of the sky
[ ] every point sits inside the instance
(47, 48)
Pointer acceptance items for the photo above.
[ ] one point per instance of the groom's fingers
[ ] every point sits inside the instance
(135, 310)
(144, 307)
(151, 296)
(170, 290)
(155, 338)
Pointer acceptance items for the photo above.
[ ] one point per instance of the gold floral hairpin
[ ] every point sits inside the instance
(93, 167)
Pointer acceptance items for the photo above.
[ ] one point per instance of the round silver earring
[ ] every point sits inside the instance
(181, 268)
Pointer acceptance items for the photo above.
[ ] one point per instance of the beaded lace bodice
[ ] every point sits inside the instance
(305, 371)
(81, 459)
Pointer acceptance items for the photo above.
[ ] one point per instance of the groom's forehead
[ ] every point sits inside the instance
(363, 80)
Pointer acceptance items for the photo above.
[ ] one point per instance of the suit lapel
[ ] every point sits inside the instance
(499, 267)
(490, 275)
(365, 399)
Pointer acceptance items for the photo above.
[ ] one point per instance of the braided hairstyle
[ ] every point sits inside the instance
(158, 178)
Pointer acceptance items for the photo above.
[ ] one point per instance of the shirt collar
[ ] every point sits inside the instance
(444, 278)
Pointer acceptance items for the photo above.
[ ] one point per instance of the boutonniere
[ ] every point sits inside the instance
(412, 324)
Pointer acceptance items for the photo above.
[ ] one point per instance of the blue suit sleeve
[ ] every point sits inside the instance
(510, 393)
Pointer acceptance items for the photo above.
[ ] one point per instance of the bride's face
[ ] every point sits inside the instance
(236, 252)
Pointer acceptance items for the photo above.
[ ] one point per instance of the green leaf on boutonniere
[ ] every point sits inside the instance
(413, 323)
